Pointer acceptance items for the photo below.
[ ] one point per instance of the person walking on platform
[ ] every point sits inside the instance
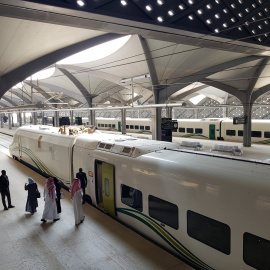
(58, 194)
(32, 202)
(76, 197)
(83, 179)
(50, 209)
(4, 189)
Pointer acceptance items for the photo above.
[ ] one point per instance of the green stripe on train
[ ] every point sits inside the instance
(194, 135)
(166, 236)
(38, 163)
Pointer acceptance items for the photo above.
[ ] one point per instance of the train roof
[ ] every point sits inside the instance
(114, 143)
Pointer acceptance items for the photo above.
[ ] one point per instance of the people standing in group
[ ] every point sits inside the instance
(76, 197)
(83, 179)
(32, 202)
(4, 189)
(58, 194)
(50, 208)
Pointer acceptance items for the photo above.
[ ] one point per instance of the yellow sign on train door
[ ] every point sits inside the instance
(108, 188)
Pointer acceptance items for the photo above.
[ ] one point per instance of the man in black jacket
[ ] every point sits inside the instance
(82, 176)
(4, 189)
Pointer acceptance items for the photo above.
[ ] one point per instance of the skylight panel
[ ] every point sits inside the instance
(96, 53)
(43, 74)
(18, 86)
(197, 99)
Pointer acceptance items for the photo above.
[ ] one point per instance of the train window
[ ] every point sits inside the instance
(107, 187)
(267, 134)
(131, 127)
(198, 130)
(163, 211)
(98, 124)
(209, 231)
(106, 125)
(113, 125)
(256, 251)
(240, 133)
(131, 197)
(230, 132)
(127, 126)
(102, 125)
(190, 130)
(136, 127)
(142, 127)
(109, 125)
(147, 127)
(183, 130)
(257, 134)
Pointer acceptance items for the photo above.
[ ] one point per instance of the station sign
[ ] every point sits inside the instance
(240, 120)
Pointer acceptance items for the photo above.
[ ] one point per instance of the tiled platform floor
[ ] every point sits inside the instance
(99, 243)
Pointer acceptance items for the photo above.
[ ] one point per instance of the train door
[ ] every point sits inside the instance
(212, 132)
(105, 190)
(119, 126)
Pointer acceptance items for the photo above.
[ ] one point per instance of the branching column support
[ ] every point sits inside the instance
(91, 114)
(123, 121)
(34, 118)
(56, 119)
(19, 116)
(2, 120)
(71, 118)
(9, 121)
(247, 127)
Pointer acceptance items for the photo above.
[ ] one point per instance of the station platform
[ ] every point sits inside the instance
(99, 243)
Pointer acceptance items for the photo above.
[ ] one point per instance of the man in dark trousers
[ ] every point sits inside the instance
(82, 176)
(4, 189)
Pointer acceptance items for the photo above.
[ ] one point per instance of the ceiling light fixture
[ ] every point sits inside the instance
(209, 6)
(148, 7)
(217, 16)
(80, 3)
(182, 7)
(208, 21)
(190, 17)
(160, 19)
(170, 12)
(160, 2)
(200, 11)
(123, 2)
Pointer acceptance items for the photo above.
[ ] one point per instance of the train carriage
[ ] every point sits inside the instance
(211, 211)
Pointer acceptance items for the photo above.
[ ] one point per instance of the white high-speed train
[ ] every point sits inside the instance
(211, 211)
(211, 128)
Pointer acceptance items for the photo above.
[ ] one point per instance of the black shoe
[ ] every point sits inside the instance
(11, 206)
(5, 208)
(56, 219)
(43, 220)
